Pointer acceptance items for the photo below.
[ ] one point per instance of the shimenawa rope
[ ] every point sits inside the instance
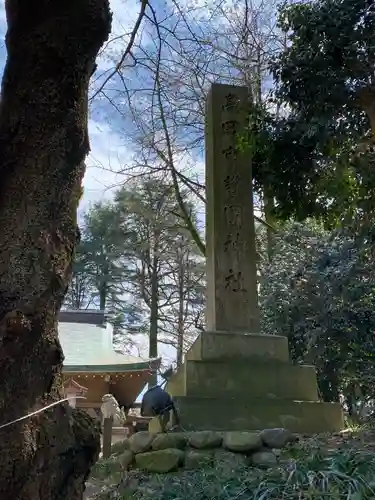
(40, 411)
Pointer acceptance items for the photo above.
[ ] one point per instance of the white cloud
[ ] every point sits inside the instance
(108, 154)
(166, 352)
(106, 158)
(2, 16)
(125, 13)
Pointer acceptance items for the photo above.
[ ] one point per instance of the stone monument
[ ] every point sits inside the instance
(233, 377)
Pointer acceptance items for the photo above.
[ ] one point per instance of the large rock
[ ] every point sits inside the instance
(120, 446)
(196, 459)
(160, 461)
(141, 442)
(277, 438)
(242, 442)
(263, 459)
(229, 460)
(203, 440)
(126, 459)
(169, 440)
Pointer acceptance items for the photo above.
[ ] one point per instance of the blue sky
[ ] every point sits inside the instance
(110, 150)
(104, 143)
(107, 147)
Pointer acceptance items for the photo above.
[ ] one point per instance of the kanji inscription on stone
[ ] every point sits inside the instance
(232, 184)
(232, 299)
(229, 127)
(230, 152)
(234, 282)
(231, 102)
(232, 242)
(233, 215)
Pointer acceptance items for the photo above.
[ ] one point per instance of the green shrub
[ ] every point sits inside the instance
(106, 468)
(348, 475)
(304, 473)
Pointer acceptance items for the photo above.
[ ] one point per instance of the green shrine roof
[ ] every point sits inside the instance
(87, 342)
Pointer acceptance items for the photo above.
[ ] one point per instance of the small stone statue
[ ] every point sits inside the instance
(109, 406)
(111, 409)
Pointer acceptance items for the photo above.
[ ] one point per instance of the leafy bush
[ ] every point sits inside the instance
(106, 468)
(319, 291)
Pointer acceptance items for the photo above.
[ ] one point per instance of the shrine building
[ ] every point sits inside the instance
(93, 368)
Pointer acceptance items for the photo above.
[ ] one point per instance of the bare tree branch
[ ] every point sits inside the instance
(144, 4)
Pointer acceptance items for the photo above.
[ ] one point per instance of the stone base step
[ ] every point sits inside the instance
(225, 414)
(243, 378)
(224, 345)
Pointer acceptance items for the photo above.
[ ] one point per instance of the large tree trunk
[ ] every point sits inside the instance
(52, 47)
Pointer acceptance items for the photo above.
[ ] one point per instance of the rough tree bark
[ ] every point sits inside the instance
(51, 47)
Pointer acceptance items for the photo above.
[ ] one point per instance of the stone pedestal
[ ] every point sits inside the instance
(234, 378)
(246, 382)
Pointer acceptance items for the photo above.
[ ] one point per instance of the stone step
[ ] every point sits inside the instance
(224, 345)
(249, 380)
(225, 414)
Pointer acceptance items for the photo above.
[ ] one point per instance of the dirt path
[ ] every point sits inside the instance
(93, 487)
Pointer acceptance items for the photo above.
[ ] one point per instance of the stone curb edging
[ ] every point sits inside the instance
(163, 453)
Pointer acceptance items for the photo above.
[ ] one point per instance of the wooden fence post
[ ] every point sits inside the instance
(107, 436)
(108, 410)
